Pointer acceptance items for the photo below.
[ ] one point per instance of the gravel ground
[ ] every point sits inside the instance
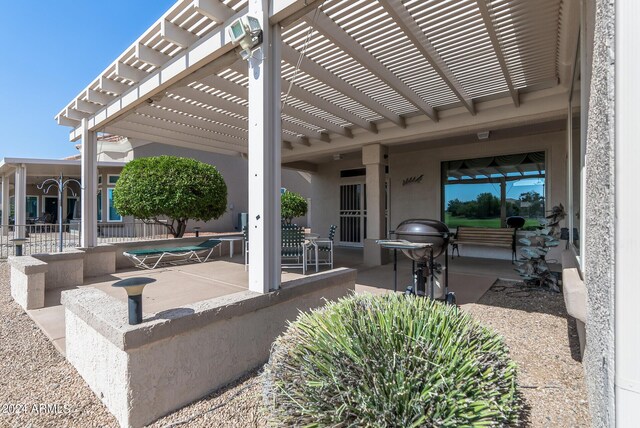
(543, 341)
(38, 387)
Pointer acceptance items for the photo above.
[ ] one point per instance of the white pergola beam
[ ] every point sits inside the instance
(65, 121)
(320, 73)
(157, 136)
(151, 56)
(86, 106)
(75, 115)
(229, 142)
(174, 133)
(113, 86)
(213, 9)
(202, 111)
(319, 102)
(207, 50)
(404, 19)
(176, 35)
(286, 12)
(243, 93)
(495, 42)
(130, 73)
(199, 122)
(98, 97)
(332, 31)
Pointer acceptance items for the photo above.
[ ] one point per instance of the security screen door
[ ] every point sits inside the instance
(353, 214)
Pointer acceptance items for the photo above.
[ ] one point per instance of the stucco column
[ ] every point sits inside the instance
(264, 155)
(373, 159)
(88, 223)
(6, 210)
(20, 199)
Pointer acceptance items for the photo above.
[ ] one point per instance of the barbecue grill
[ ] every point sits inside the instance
(422, 240)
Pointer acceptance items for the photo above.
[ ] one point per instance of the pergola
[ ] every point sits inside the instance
(330, 77)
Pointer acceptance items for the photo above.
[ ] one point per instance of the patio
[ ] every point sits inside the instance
(183, 285)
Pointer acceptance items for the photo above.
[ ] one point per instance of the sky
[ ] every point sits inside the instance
(51, 51)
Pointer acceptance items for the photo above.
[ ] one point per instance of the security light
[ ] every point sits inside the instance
(483, 135)
(247, 33)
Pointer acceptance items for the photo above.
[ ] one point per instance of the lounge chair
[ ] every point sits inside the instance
(151, 258)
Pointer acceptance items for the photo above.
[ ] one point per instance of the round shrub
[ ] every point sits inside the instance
(393, 361)
(292, 205)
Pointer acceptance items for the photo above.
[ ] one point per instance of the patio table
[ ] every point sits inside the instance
(310, 239)
(231, 240)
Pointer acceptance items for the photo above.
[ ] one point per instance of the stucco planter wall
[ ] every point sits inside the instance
(143, 372)
(28, 281)
(65, 269)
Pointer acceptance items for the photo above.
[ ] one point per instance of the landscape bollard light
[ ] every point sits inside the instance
(134, 287)
(18, 243)
(197, 230)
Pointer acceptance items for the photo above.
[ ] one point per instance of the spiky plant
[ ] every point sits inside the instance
(390, 361)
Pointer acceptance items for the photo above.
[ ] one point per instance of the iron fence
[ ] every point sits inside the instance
(46, 238)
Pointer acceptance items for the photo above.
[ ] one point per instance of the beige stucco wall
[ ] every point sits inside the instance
(423, 200)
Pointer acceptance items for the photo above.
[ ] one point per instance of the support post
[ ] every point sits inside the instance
(373, 159)
(20, 198)
(88, 222)
(264, 155)
(6, 209)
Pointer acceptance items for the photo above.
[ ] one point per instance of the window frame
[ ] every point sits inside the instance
(38, 205)
(547, 171)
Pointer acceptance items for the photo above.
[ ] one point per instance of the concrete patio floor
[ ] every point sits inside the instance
(185, 284)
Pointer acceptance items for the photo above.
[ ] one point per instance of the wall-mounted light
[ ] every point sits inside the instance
(247, 33)
(483, 135)
(337, 156)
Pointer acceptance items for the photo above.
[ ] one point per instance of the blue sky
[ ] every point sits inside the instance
(52, 50)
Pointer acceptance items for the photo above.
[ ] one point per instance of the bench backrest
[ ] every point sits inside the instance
(486, 236)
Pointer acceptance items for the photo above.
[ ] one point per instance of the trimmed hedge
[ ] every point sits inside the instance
(393, 361)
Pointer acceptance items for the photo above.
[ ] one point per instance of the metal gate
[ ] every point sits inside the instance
(353, 214)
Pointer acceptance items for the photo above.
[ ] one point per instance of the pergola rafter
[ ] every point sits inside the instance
(332, 31)
(405, 20)
(488, 23)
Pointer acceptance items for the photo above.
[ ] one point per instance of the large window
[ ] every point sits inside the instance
(484, 192)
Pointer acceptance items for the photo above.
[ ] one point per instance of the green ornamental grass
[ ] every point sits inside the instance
(390, 361)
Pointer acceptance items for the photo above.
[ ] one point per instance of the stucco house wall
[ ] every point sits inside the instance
(423, 199)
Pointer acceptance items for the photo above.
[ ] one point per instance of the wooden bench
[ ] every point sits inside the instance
(505, 238)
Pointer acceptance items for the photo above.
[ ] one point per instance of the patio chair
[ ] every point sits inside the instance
(294, 247)
(152, 258)
(245, 235)
(325, 246)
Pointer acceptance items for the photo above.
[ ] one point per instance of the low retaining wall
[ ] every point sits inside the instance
(145, 371)
(35, 274)
(28, 281)
(575, 295)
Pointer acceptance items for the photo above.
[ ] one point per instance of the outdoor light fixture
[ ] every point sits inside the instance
(18, 243)
(247, 33)
(134, 287)
(483, 135)
(337, 156)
